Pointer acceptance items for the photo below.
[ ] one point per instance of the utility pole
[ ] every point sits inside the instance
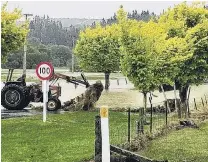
(25, 49)
(72, 54)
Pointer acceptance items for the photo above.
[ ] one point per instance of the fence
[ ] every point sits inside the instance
(136, 124)
(117, 154)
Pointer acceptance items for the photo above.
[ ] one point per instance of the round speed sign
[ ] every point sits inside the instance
(44, 70)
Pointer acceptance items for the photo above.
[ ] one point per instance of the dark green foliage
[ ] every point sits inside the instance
(143, 16)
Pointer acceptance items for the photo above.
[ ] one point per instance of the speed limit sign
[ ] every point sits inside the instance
(44, 70)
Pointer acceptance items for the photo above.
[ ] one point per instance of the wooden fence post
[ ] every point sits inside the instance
(195, 103)
(150, 100)
(205, 99)
(129, 124)
(98, 139)
(126, 81)
(166, 114)
(142, 120)
(167, 107)
(202, 101)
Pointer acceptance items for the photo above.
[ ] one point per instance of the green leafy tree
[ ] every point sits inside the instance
(98, 50)
(186, 29)
(12, 35)
(138, 61)
(174, 48)
(60, 55)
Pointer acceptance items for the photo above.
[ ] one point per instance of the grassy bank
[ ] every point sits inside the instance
(65, 137)
(187, 144)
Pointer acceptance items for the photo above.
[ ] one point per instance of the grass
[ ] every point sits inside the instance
(119, 99)
(64, 137)
(187, 144)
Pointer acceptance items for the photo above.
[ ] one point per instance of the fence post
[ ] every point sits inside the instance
(140, 123)
(117, 81)
(142, 120)
(105, 134)
(202, 101)
(188, 102)
(150, 100)
(98, 139)
(166, 114)
(195, 103)
(129, 124)
(205, 99)
(137, 127)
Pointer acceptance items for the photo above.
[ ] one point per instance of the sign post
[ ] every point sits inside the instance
(105, 134)
(44, 71)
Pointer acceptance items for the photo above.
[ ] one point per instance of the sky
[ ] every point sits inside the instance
(87, 9)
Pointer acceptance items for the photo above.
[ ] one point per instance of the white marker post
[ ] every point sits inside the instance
(105, 134)
(45, 98)
(44, 71)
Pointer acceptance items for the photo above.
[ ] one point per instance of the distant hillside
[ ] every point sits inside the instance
(67, 22)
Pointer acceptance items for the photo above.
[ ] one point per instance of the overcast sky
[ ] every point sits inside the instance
(91, 9)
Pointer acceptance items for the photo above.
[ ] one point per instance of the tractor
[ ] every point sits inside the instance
(16, 95)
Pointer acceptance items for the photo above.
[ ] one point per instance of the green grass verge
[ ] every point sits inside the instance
(64, 137)
(187, 144)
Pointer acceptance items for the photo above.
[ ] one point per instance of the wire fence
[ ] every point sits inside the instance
(135, 124)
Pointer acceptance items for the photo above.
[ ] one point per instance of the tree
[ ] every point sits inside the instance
(12, 35)
(187, 23)
(138, 61)
(161, 53)
(14, 61)
(98, 50)
(35, 54)
(60, 55)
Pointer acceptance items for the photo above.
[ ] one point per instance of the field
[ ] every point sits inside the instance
(66, 137)
(187, 144)
(70, 136)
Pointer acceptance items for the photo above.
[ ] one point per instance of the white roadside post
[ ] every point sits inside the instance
(105, 134)
(45, 98)
(44, 71)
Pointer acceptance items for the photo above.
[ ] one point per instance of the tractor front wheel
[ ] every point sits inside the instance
(53, 104)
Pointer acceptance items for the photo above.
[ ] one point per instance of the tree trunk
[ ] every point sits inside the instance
(183, 97)
(145, 100)
(168, 106)
(145, 106)
(176, 104)
(107, 80)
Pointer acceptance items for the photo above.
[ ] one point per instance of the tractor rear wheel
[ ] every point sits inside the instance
(13, 97)
(53, 104)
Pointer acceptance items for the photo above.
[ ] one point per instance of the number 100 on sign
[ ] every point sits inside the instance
(44, 71)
